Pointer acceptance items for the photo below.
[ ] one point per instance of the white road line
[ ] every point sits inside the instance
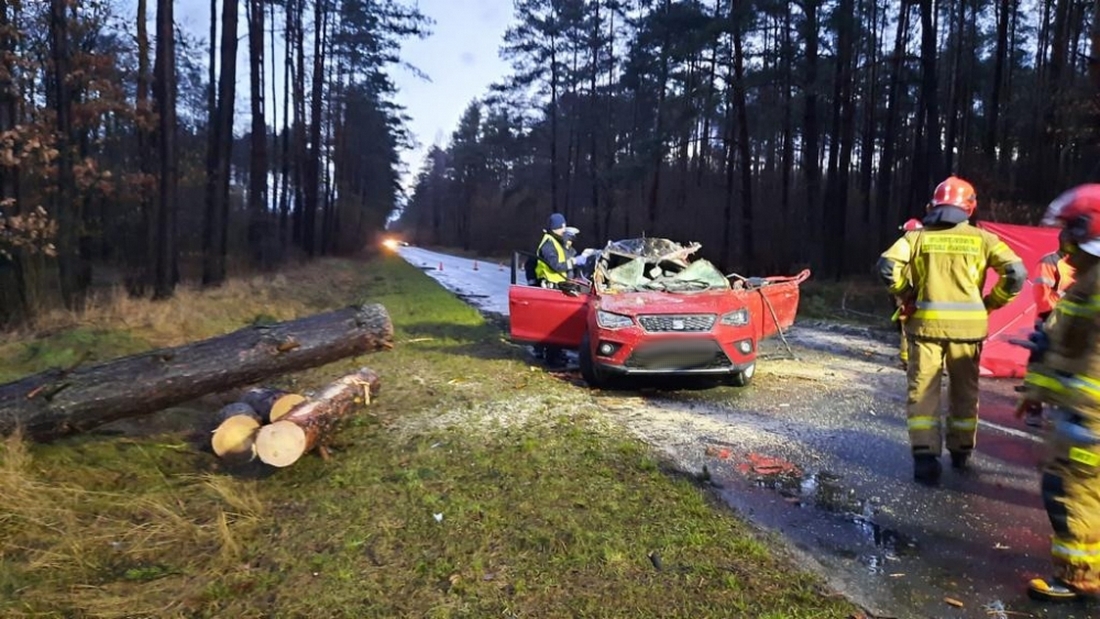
(1012, 431)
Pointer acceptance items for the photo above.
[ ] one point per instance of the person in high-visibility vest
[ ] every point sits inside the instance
(941, 270)
(552, 268)
(903, 307)
(553, 263)
(1064, 373)
(1054, 278)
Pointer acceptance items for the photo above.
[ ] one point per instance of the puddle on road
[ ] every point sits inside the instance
(822, 490)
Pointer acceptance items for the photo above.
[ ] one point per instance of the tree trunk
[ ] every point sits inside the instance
(300, 153)
(810, 162)
(658, 158)
(62, 402)
(285, 235)
(998, 79)
(13, 300)
(216, 243)
(1094, 55)
(836, 200)
(164, 245)
(888, 211)
(928, 164)
(869, 95)
(140, 275)
(65, 205)
(313, 165)
(283, 442)
(748, 251)
(257, 192)
(787, 165)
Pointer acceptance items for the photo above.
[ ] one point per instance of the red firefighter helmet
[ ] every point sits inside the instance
(912, 224)
(1077, 212)
(954, 191)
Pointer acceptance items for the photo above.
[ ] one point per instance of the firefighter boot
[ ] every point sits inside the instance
(1033, 415)
(926, 469)
(1050, 590)
(959, 459)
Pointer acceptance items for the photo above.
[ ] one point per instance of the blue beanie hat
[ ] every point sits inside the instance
(557, 220)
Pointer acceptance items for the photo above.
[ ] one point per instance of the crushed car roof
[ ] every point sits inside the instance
(656, 264)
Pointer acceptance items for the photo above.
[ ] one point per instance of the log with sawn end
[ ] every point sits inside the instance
(62, 402)
(283, 442)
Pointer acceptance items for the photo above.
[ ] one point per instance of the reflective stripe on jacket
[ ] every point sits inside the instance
(543, 270)
(943, 271)
(1055, 276)
(1068, 373)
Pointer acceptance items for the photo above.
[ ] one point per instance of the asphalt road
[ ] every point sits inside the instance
(816, 450)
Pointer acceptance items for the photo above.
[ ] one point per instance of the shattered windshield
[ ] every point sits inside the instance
(653, 264)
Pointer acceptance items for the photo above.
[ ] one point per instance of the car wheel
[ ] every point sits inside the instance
(744, 377)
(591, 374)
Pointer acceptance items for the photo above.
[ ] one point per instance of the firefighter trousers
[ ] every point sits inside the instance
(927, 361)
(1071, 495)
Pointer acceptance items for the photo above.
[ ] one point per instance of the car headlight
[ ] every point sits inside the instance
(608, 320)
(736, 318)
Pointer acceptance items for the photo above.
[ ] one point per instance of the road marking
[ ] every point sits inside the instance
(1013, 431)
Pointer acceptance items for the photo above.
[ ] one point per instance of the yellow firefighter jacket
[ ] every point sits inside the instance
(942, 271)
(1068, 374)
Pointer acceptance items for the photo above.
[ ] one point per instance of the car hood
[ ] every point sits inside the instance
(635, 303)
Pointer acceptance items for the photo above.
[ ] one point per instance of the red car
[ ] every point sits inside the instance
(646, 309)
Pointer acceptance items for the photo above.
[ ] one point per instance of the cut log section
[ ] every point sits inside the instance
(283, 405)
(283, 442)
(235, 438)
(238, 408)
(63, 402)
(261, 399)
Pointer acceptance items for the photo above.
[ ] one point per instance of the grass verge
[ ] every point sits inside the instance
(472, 487)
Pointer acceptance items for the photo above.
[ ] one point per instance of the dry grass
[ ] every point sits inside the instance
(545, 509)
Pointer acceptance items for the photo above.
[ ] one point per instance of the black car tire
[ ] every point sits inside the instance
(744, 377)
(591, 374)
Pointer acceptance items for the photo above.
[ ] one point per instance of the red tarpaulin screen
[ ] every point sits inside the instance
(1000, 359)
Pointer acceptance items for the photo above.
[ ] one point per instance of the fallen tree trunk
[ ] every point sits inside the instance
(283, 442)
(62, 402)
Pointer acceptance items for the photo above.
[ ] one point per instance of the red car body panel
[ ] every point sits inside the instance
(668, 332)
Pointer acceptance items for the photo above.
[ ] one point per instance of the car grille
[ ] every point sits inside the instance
(679, 356)
(676, 322)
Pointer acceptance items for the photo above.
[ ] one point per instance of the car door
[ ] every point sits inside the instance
(777, 304)
(544, 315)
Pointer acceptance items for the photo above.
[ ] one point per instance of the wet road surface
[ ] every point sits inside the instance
(817, 451)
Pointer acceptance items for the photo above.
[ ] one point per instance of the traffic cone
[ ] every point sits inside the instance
(475, 265)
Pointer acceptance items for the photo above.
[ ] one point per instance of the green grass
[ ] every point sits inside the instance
(544, 508)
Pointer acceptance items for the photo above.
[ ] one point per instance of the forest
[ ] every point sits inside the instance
(777, 133)
(127, 158)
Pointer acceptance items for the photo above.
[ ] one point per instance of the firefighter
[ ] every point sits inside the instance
(903, 308)
(1064, 373)
(1055, 276)
(941, 271)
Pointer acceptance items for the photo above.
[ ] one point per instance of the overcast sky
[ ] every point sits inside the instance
(460, 58)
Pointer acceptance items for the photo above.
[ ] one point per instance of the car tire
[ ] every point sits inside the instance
(591, 374)
(744, 377)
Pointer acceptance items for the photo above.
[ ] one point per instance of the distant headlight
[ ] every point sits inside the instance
(607, 320)
(736, 318)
